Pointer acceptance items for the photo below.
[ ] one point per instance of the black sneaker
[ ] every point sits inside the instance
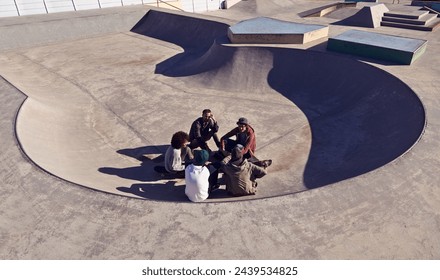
(213, 188)
(266, 163)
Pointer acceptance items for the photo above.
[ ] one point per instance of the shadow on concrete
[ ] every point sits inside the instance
(139, 173)
(154, 153)
(161, 187)
(164, 192)
(148, 156)
(194, 35)
(168, 191)
(157, 186)
(361, 117)
(322, 47)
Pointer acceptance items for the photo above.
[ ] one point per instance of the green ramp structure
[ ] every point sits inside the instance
(397, 49)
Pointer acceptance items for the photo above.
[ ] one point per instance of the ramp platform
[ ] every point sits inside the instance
(263, 30)
(378, 46)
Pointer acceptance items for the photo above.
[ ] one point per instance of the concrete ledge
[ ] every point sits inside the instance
(368, 16)
(229, 3)
(324, 10)
(264, 30)
(378, 46)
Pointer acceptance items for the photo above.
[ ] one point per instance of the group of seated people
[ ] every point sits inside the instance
(190, 156)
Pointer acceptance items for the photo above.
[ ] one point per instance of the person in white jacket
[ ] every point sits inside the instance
(197, 177)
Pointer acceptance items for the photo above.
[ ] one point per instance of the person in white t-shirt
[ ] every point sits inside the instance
(177, 153)
(197, 177)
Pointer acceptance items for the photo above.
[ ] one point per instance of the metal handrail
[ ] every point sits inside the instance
(18, 11)
(169, 5)
(431, 10)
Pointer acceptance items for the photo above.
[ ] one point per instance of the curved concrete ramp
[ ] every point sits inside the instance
(194, 35)
(361, 117)
(191, 33)
(90, 114)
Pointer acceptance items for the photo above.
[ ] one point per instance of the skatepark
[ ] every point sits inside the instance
(91, 99)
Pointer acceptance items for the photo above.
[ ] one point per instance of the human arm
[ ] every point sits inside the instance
(226, 136)
(214, 124)
(196, 129)
(250, 143)
(257, 171)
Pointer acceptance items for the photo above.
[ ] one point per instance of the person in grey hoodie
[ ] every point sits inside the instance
(239, 174)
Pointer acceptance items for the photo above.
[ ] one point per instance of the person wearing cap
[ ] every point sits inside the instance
(244, 135)
(202, 130)
(177, 153)
(239, 174)
(197, 177)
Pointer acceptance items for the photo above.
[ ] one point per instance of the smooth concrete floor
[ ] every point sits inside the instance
(391, 212)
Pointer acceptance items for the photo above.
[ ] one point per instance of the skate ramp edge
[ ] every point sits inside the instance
(396, 49)
(357, 117)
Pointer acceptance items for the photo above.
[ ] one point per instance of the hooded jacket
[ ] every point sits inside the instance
(240, 179)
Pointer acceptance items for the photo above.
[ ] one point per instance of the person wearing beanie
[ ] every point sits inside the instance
(240, 175)
(244, 135)
(197, 177)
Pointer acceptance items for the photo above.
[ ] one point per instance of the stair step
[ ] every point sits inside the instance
(425, 20)
(407, 14)
(432, 25)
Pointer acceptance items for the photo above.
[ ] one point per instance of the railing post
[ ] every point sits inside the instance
(99, 4)
(45, 6)
(73, 4)
(16, 7)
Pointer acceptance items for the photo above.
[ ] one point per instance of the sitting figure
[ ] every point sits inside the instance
(239, 174)
(202, 129)
(197, 177)
(244, 135)
(177, 153)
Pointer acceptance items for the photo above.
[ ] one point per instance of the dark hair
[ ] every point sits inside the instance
(206, 111)
(178, 139)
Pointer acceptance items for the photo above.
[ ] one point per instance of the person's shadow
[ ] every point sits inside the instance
(157, 186)
(167, 191)
(148, 156)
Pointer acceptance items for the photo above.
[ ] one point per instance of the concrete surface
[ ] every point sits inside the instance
(397, 49)
(138, 89)
(263, 30)
(367, 16)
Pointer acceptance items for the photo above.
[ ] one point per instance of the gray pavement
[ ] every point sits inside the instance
(351, 178)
